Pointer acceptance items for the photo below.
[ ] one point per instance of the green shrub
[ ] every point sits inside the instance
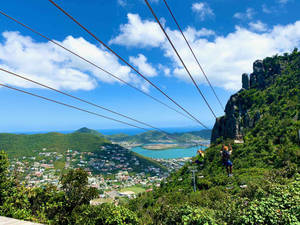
(105, 214)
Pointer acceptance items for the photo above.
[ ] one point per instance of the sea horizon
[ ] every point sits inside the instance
(127, 131)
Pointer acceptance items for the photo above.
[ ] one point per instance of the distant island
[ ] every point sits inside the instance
(155, 140)
(161, 146)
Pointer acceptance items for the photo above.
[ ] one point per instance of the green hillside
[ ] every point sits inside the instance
(265, 188)
(82, 140)
(85, 130)
(25, 145)
(156, 136)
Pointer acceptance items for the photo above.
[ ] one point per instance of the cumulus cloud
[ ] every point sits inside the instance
(266, 9)
(143, 66)
(139, 32)
(51, 65)
(283, 1)
(166, 70)
(203, 32)
(40, 62)
(202, 9)
(122, 3)
(225, 58)
(245, 15)
(258, 26)
(146, 33)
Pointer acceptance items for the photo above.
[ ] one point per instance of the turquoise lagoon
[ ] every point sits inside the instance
(172, 153)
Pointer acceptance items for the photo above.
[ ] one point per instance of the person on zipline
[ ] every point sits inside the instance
(199, 157)
(225, 153)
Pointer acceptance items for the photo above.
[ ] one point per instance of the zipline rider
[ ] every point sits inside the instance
(199, 157)
(225, 154)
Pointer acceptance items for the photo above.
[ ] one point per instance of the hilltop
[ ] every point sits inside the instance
(267, 93)
(85, 130)
(25, 145)
(90, 145)
(265, 189)
(157, 136)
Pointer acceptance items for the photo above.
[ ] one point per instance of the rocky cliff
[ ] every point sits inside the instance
(237, 117)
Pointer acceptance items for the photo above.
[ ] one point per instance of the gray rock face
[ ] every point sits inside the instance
(237, 115)
(245, 81)
(263, 74)
(257, 78)
(258, 67)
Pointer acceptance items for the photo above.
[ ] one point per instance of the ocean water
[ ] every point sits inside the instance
(135, 131)
(172, 153)
(127, 131)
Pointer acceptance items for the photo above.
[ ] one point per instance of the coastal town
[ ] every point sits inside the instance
(113, 171)
(164, 145)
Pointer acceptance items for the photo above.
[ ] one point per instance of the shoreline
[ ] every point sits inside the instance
(161, 147)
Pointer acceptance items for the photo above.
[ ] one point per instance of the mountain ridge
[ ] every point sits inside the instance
(156, 136)
(239, 115)
(265, 186)
(82, 140)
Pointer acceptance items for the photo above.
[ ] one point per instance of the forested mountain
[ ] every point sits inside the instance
(156, 136)
(26, 145)
(265, 186)
(85, 130)
(83, 140)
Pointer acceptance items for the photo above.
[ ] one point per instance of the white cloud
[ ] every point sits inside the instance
(258, 26)
(225, 58)
(283, 1)
(203, 32)
(143, 66)
(266, 9)
(137, 32)
(246, 15)
(166, 70)
(146, 33)
(51, 65)
(122, 3)
(202, 9)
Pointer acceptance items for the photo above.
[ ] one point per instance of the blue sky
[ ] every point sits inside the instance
(227, 36)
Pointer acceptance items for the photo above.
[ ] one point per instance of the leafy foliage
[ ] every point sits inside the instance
(24, 145)
(4, 182)
(265, 188)
(265, 185)
(70, 205)
(75, 186)
(106, 214)
(156, 136)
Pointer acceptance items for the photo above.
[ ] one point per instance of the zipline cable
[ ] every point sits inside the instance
(127, 63)
(167, 36)
(93, 64)
(201, 68)
(71, 106)
(80, 99)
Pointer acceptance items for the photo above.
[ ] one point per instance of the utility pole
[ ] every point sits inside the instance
(193, 170)
(194, 179)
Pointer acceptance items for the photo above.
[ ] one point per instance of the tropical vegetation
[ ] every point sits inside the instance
(265, 188)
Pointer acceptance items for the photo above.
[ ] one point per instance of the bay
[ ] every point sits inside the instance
(172, 153)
